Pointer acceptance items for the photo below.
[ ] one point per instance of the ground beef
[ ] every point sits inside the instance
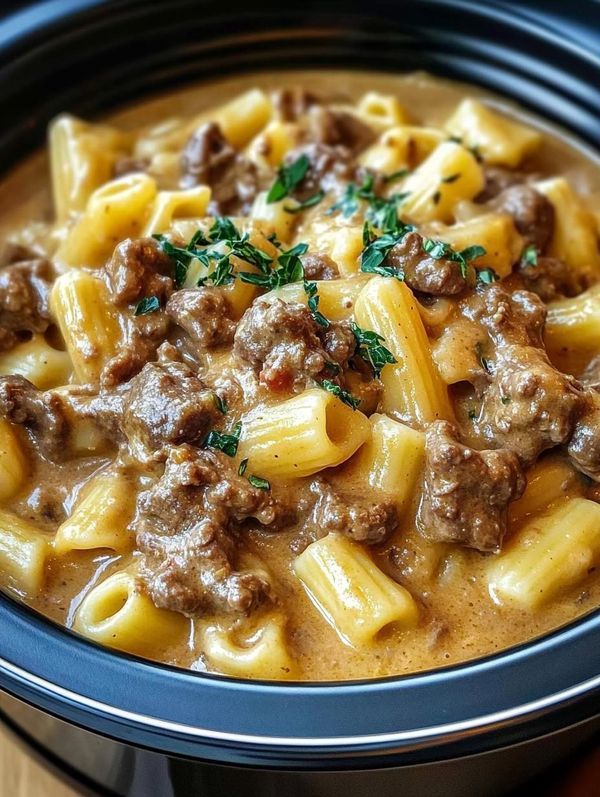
(143, 335)
(466, 492)
(497, 179)
(138, 267)
(166, 404)
(13, 252)
(584, 445)
(509, 318)
(422, 273)
(208, 158)
(293, 102)
(186, 528)
(339, 128)
(319, 266)
(331, 168)
(353, 515)
(550, 278)
(287, 348)
(338, 342)
(532, 213)
(205, 314)
(24, 295)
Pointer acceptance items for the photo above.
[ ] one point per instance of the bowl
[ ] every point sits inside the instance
(133, 727)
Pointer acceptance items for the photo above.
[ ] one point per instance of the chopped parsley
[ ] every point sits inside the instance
(288, 178)
(308, 203)
(349, 203)
(530, 255)
(259, 482)
(485, 363)
(377, 249)
(506, 399)
(222, 274)
(181, 256)
(343, 395)
(150, 304)
(223, 229)
(290, 269)
(371, 350)
(310, 289)
(242, 467)
(437, 195)
(221, 404)
(440, 249)
(486, 276)
(472, 415)
(227, 442)
(381, 213)
(390, 178)
(451, 178)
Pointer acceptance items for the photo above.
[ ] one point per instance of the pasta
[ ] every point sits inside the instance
(37, 361)
(336, 297)
(351, 591)
(170, 205)
(547, 482)
(573, 323)
(13, 464)
(23, 554)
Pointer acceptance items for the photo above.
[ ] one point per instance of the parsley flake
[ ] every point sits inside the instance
(486, 276)
(440, 249)
(288, 178)
(376, 251)
(371, 350)
(308, 203)
(485, 363)
(343, 395)
(506, 399)
(150, 304)
(437, 195)
(221, 404)
(227, 442)
(242, 467)
(310, 289)
(259, 482)
(390, 178)
(451, 178)
(290, 269)
(530, 255)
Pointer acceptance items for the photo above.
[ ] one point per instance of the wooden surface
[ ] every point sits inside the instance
(20, 776)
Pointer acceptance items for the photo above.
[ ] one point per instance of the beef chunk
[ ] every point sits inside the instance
(338, 342)
(319, 266)
(532, 213)
(339, 128)
(185, 527)
(166, 404)
(209, 158)
(13, 252)
(205, 314)
(293, 102)
(143, 335)
(466, 492)
(353, 515)
(590, 378)
(330, 168)
(42, 413)
(282, 342)
(423, 273)
(549, 278)
(497, 179)
(138, 267)
(24, 294)
(517, 317)
(584, 446)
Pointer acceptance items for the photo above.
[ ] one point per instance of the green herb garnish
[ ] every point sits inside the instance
(486, 276)
(310, 289)
(451, 178)
(259, 482)
(150, 304)
(343, 395)
(437, 195)
(227, 442)
(288, 178)
(242, 467)
(220, 403)
(506, 399)
(530, 255)
(223, 229)
(485, 363)
(308, 203)
(377, 249)
(371, 350)
(439, 250)
(290, 269)
(390, 178)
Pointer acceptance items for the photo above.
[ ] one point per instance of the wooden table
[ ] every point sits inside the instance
(21, 776)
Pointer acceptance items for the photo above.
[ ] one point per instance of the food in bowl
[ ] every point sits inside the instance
(286, 385)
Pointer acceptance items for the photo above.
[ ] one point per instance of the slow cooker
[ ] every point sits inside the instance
(128, 727)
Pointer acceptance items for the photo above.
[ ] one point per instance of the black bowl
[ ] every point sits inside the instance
(475, 728)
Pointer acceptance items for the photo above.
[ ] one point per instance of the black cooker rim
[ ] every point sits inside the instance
(518, 693)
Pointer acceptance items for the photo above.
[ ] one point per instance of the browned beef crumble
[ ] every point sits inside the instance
(287, 348)
(205, 314)
(24, 296)
(143, 336)
(353, 515)
(330, 168)
(319, 266)
(13, 252)
(208, 158)
(422, 273)
(497, 179)
(138, 267)
(584, 445)
(466, 492)
(293, 102)
(340, 128)
(550, 278)
(186, 528)
(532, 213)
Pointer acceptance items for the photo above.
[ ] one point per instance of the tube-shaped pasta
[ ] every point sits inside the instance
(244, 116)
(381, 111)
(24, 551)
(574, 323)
(450, 174)
(81, 159)
(261, 654)
(119, 614)
(13, 464)
(550, 553)
(455, 351)
(37, 361)
(302, 435)
(499, 140)
(88, 323)
(115, 211)
(353, 594)
(548, 481)
(271, 146)
(401, 147)
(336, 297)
(273, 217)
(413, 389)
(171, 205)
(391, 460)
(101, 515)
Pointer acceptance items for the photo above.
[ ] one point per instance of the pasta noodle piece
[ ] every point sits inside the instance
(101, 516)
(413, 389)
(401, 148)
(171, 205)
(336, 297)
(13, 463)
(302, 435)
(244, 116)
(455, 351)
(273, 217)
(499, 140)
(88, 323)
(117, 613)
(271, 146)
(263, 653)
(24, 551)
(381, 111)
(551, 552)
(37, 361)
(548, 481)
(352, 593)
(574, 323)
